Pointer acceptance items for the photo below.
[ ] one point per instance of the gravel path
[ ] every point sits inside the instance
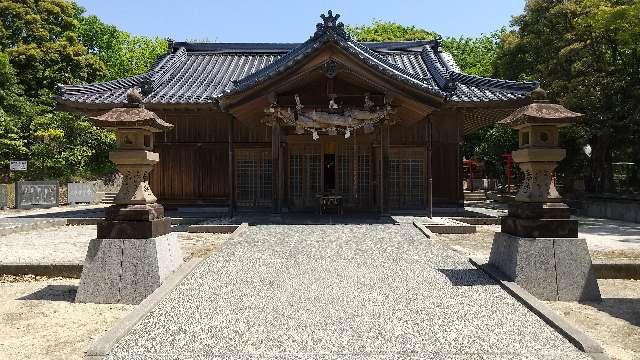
(373, 291)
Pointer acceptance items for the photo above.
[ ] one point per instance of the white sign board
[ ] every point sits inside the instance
(17, 165)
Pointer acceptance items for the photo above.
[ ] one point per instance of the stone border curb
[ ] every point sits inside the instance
(576, 337)
(478, 220)
(102, 346)
(213, 229)
(617, 270)
(48, 270)
(423, 229)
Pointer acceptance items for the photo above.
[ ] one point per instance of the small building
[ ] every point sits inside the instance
(274, 127)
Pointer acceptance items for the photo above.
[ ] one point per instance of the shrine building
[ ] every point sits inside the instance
(276, 127)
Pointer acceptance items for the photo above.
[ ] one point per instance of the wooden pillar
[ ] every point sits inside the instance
(384, 161)
(232, 188)
(275, 166)
(428, 167)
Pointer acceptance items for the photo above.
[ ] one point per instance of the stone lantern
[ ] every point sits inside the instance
(134, 250)
(538, 246)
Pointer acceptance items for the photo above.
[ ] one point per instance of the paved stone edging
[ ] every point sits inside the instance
(101, 347)
(579, 339)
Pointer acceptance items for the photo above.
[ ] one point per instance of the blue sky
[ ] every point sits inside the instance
(294, 21)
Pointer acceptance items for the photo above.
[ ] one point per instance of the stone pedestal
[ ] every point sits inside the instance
(549, 268)
(538, 247)
(134, 251)
(126, 271)
(133, 254)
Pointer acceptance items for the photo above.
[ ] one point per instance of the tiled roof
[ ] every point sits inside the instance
(200, 73)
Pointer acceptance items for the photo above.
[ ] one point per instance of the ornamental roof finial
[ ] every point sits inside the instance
(330, 23)
(134, 97)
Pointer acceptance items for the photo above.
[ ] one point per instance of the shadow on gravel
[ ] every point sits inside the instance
(53, 293)
(627, 309)
(467, 277)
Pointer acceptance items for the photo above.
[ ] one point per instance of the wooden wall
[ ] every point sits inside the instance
(194, 156)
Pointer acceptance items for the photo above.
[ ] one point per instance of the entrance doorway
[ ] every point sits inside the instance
(329, 173)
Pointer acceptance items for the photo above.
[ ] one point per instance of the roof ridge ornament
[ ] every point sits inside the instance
(134, 98)
(330, 24)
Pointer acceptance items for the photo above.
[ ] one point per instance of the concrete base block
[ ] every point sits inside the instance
(126, 271)
(549, 268)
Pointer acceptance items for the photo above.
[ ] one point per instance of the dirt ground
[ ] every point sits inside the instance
(614, 322)
(39, 319)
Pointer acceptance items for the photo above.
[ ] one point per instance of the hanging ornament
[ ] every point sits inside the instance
(332, 131)
(332, 102)
(368, 104)
(347, 133)
(299, 105)
(315, 135)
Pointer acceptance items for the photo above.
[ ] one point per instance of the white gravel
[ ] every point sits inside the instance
(336, 292)
(57, 245)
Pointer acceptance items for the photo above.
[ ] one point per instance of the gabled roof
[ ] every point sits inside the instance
(202, 73)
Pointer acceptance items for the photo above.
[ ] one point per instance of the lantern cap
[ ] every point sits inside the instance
(541, 112)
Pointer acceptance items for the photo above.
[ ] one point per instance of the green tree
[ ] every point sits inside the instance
(586, 54)
(43, 43)
(380, 31)
(474, 56)
(123, 54)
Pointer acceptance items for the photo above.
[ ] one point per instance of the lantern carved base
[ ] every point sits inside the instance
(545, 220)
(134, 222)
(551, 269)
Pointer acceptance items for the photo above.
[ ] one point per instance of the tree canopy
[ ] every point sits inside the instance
(587, 55)
(474, 55)
(44, 43)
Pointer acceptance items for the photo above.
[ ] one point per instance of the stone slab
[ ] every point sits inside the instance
(3, 196)
(134, 212)
(576, 277)
(126, 271)
(527, 261)
(540, 228)
(110, 229)
(525, 210)
(550, 269)
(40, 194)
(81, 193)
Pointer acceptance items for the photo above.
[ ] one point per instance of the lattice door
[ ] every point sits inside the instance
(254, 178)
(305, 164)
(405, 179)
(353, 174)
